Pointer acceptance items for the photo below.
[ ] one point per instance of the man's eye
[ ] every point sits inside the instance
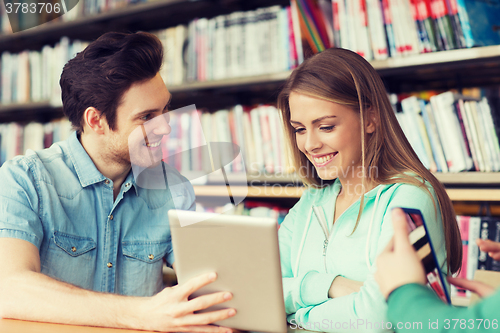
(146, 117)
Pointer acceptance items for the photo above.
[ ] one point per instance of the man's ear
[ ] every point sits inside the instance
(94, 120)
(371, 121)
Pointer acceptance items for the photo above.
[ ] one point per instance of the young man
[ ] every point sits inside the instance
(76, 228)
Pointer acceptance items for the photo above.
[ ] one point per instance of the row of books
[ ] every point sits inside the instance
(448, 132)
(248, 208)
(472, 228)
(235, 45)
(451, 132)
(247, 43)
(75, 9)
(249, 139)
(256, 133)
(377, 29)
(15, 138)
(33, 76)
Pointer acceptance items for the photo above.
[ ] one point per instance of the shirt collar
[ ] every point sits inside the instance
(131, 179)
(84, 167)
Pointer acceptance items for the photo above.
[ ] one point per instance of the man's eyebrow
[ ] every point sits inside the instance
(146, 112)
(314, 121)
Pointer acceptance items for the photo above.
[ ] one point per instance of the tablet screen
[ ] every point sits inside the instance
(425, 251)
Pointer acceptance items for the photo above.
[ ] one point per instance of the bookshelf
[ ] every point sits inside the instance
(438, 70)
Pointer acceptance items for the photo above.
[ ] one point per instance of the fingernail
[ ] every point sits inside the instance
(212, 276)
(228, 296)
(231, 312)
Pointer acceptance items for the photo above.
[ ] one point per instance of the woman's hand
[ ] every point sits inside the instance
(493, 248)
(482, 289)
(398, 264)
(342, 286)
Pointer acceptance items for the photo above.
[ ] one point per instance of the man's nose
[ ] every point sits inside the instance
(161, 125)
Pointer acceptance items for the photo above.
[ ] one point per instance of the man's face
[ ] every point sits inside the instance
(141, 123)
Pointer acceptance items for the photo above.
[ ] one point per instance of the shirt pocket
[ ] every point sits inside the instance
(71, 259)
(142, 267)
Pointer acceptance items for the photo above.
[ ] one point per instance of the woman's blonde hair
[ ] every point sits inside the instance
(343, 77)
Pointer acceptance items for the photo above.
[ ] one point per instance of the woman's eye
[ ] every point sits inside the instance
(327, 128)
(298, 130)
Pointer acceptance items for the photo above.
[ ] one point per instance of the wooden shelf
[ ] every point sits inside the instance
(250, 191)
(231, 82)
(457, 57)
(474, 194)
(291, 191)
(469, 178)
(477, 179)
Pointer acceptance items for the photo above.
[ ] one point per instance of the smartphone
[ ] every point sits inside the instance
(418, 234)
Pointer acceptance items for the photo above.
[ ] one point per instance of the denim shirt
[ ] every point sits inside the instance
(57, 200)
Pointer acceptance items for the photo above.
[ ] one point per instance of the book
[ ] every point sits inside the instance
(450, 132)
(437, 147)
(376, 28)
(482, 18)
(452, 9)
(391, 40)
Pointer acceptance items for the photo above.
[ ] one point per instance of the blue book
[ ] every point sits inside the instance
(483, 20)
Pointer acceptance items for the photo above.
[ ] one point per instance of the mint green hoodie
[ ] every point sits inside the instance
(313, 253)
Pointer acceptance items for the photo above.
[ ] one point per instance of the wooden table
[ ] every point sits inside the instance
(21, 326)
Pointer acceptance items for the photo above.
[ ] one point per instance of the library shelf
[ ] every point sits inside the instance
(469, 178)
(242, 82)
(437, 70)
(34, 111)
(449, 179)
(151, 15)
(289, 191)
(456, 57)
(476, 64)
(461, 187)
(16, 107)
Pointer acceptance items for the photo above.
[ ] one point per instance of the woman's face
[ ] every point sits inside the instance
(329, 135)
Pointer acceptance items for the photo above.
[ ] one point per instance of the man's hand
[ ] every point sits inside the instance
(398, 264)
(493, 248)
(482, 289)
(172, 311)
(342, 286)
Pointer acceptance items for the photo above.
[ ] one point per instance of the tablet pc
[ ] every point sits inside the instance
(244, 252)
(422, 244)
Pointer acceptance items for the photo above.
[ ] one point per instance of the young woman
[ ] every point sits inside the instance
(351, 152)
(401, 276)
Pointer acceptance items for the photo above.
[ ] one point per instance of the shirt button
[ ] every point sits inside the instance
(127, 185)
(73, 249)
(111, 216)
(106, 181)
(109, 265)
(151, 257)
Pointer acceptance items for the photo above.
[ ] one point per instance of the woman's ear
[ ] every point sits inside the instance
(372, 121)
